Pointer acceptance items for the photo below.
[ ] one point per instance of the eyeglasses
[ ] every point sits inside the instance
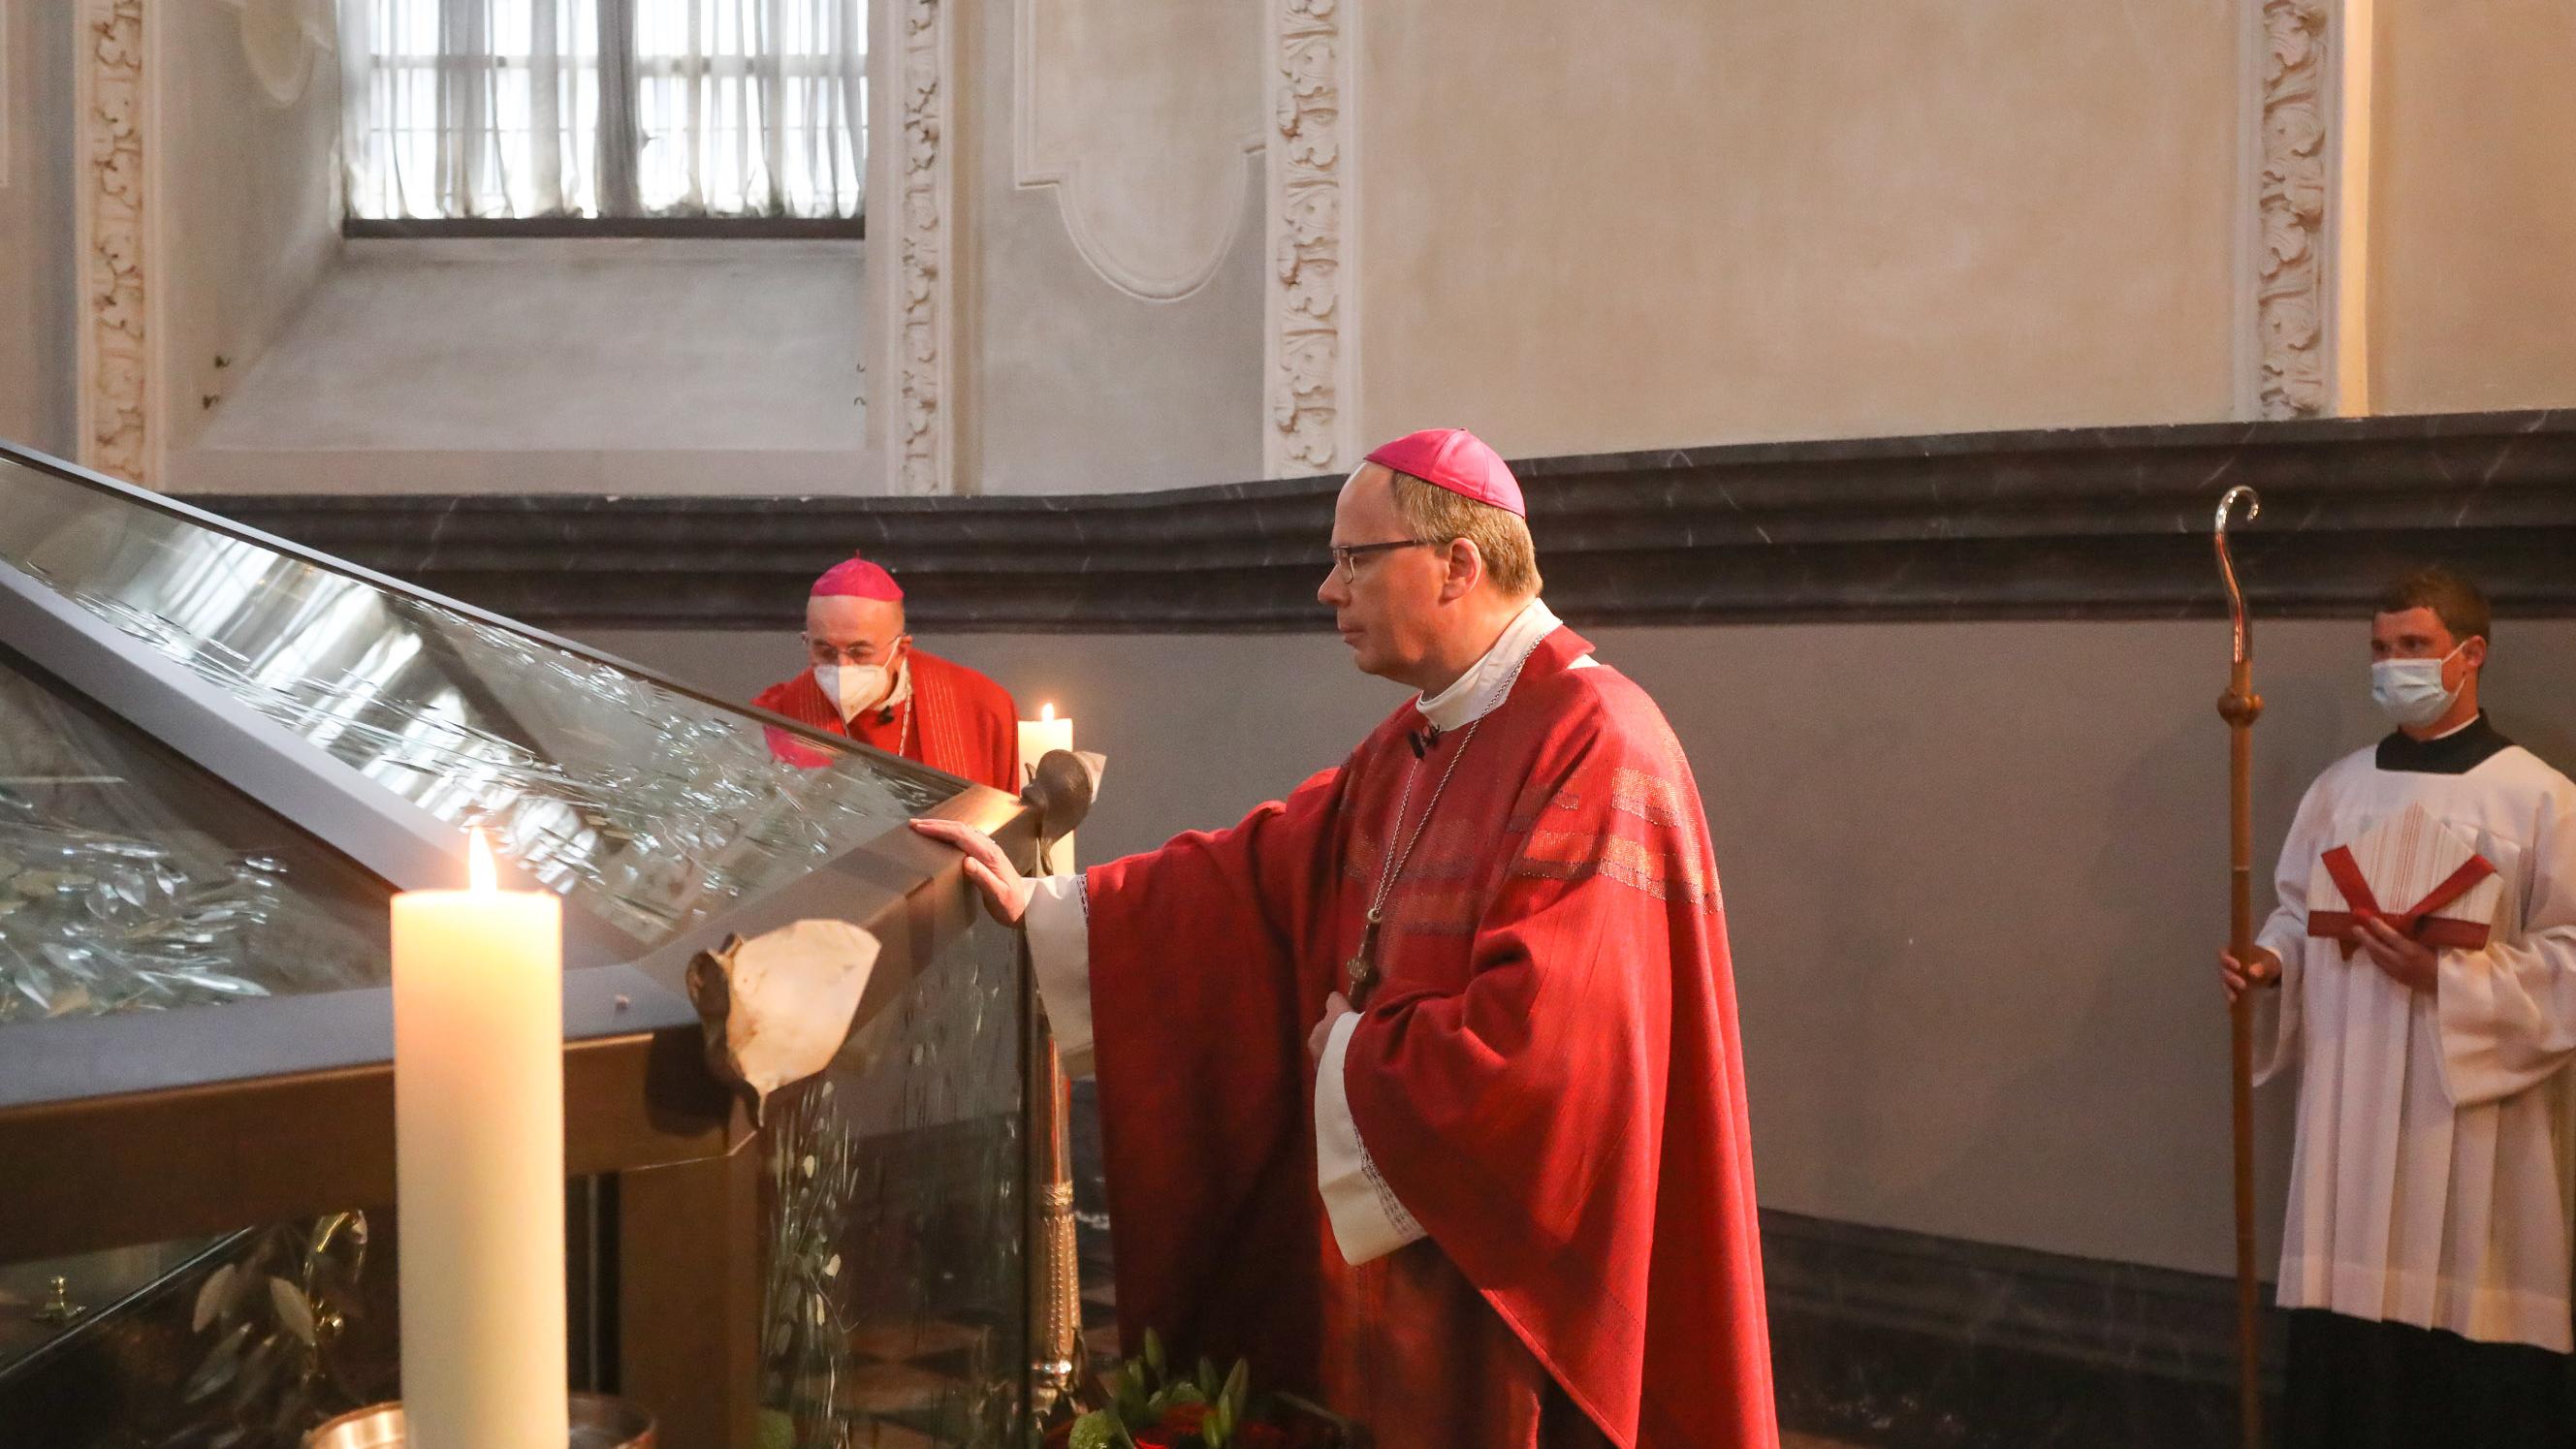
(824, 651)
(1346, 556)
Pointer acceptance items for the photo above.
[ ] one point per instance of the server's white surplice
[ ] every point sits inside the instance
(2432, 1178)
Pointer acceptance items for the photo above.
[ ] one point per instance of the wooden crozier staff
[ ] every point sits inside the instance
(2239, 706)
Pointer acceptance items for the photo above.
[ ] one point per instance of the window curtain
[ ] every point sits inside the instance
(540, 108)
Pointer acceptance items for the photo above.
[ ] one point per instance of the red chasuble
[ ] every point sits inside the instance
(956, 720)
(1547, 1077)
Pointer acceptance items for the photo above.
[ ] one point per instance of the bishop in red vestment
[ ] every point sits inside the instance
(1421, 1087)
(867, 680)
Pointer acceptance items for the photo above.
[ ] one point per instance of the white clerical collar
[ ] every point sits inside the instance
(1474, 694)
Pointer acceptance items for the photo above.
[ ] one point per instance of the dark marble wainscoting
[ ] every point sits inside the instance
(2076, 523)
(1896, 1340)
(1910, 1341)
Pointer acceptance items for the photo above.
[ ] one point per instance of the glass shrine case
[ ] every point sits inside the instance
(219, 755)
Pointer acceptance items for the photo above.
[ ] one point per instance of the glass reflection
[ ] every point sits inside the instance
(646, 806)
(898, 1287)
(130, 881)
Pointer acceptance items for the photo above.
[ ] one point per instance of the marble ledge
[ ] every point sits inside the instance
(2077, 523)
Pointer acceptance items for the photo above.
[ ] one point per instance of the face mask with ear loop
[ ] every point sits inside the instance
(852, 687)
(2410, 691)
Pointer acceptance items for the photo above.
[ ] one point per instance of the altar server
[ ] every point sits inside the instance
(2421, 972)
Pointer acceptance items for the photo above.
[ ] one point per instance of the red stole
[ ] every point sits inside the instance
(956, 720)
(1547, 1077)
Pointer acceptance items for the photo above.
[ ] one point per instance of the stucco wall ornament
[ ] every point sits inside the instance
(2291, 199)
(280, 40)
(1309, 335)
(114, 362)
(1138, 114)
(923, 452)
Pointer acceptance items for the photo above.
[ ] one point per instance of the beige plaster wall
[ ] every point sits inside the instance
(1070, 383)
(1975, 874)
(39, 277)
(554, 365)
(2474, 290)
(248, 190)
(1585, 226)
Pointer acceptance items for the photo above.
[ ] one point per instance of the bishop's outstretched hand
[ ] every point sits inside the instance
(1006, 892)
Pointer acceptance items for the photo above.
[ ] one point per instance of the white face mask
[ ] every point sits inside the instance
(851, 687)
(2410, 692)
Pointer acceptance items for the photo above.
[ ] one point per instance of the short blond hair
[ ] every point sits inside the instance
(1437, 516)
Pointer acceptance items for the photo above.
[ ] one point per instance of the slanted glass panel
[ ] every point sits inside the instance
(647, 806)
(897, 1303)
(243, 1341)
(131, 881)
(42, 1302)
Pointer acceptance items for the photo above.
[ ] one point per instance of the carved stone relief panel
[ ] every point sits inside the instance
(1310, 341)
(2294, 116)
(114, 360)
(1139, 114)
(919, 427)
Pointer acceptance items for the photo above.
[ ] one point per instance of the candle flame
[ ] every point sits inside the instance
(478, 863)
(1046, 713)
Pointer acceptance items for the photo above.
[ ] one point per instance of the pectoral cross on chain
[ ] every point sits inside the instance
(1362, 967)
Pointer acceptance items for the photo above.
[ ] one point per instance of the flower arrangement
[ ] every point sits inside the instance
(1148, 1406)
(815, 1176)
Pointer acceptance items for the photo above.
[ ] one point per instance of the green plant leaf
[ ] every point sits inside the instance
(1207, 1376)
(1130, 1396)
(1154, 1353)
(1095, 1430)
(1238, 1385)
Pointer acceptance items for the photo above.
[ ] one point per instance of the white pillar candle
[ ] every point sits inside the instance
(479, 1161)
(1041, 735)
(1037, 737)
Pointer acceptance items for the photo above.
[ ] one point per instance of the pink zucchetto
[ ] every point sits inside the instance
(1457, 460)
(856, 578)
